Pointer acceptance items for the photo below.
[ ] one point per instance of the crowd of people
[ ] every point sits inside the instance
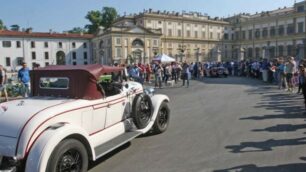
(286, 72)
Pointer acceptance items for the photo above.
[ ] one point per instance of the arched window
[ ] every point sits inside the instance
(137, 43)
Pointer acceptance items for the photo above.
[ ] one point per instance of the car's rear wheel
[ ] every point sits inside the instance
(142, 110)
(69, 156)
(162, 120)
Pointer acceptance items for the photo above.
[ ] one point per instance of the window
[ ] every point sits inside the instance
(290, 29)
(281, 30)
(179, 33)
(196, 34)
(32, 44)
(73, 45)
(74, 55)
(18, 44)
(85, 55)
(272, 31)
(74, 63)
(20, 60)
(118, 41)
(85, 63)
(33, 55)
(188, 33)
(54, 83)
(226, 36)
(265, 32)
(47, 64)
(169, 32)
(243, 35)
(250, 34)
(169, 23)
(155, 42)
(46, 44)
(300, 9)
(203, 34)
(159, 22)
(46, 55)
(237, 35)
(60, 45)
(85, 45)
(300, 27)
(219, 36)
(118, 52)
(6, 44)
(211, 35)
(8, 61)
(257, 33)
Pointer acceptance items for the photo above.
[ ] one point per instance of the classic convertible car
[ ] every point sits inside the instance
(76, 114)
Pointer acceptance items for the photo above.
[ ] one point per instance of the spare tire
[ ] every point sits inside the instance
(142, 110)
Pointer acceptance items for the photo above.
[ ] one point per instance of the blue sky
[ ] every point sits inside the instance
(61, 15)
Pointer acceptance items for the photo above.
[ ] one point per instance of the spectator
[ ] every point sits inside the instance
(158, 71)
(3, 78)
(186, 74)
(24, 79)
(290, 71)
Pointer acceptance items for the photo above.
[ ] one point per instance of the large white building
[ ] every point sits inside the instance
(43, 49)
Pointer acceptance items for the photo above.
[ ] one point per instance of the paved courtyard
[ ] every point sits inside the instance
(224, 124)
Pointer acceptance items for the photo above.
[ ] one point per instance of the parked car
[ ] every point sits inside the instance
(76, 114)
(218, 71)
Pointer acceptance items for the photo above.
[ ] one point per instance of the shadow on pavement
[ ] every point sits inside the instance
(289, 106)
(282, 128)
(267, 145)
(297, 167)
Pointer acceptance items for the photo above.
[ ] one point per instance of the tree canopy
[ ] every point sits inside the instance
(77, 30)
(15, 27)
(104, 18)
(2, 26)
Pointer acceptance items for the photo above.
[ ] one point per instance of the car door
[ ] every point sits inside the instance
(99, 116)
(115, 109)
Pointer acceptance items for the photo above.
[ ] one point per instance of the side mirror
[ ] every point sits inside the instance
(126, 86)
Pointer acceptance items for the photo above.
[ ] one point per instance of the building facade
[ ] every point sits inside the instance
(197, 37)
(183, 36)
(43, 49)
(270, 34)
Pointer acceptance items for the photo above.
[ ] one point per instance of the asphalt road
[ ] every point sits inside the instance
(224, 124)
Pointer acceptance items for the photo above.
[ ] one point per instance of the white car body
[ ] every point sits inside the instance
(31, 128)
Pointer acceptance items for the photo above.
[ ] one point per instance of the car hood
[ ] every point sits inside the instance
(15, 114)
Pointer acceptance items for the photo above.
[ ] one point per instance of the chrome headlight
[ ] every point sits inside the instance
(149, 91)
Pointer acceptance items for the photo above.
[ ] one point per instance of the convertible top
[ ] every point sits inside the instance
(82, 80)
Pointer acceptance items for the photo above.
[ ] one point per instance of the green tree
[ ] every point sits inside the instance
(109, 15)
(95, 18)
(104, 18)
(77, 30)
(2, 26)
(15, 27)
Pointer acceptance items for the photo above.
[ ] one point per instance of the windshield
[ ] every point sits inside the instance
(54, 83)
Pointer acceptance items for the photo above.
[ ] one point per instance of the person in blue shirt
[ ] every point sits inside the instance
(24, 79)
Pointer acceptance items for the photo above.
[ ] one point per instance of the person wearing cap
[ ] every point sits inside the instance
(24, 79)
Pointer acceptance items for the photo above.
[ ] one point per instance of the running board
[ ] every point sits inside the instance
(115, 143)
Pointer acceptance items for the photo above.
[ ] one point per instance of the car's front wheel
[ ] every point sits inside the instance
(69, 155)
(162, 120)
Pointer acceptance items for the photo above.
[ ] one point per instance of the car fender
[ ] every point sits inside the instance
(43, 147)
(157, 100)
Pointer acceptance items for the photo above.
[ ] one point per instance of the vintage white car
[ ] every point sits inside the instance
(76, 114)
